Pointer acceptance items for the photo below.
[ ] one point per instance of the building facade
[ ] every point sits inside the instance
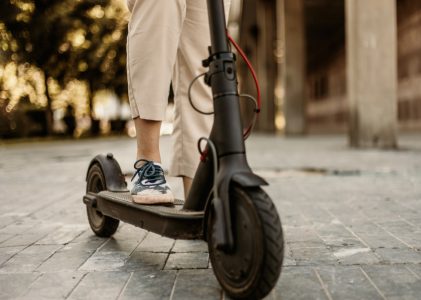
(327, 81)
(343, 66)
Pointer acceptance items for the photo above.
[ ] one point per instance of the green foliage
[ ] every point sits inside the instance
(101, 59)
(67, 40)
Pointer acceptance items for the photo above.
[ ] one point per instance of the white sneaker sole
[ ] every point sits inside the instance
(153, 199)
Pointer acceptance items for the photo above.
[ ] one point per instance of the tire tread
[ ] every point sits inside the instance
(273, 237)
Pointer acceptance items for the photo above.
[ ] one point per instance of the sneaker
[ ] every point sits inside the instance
(151, 186)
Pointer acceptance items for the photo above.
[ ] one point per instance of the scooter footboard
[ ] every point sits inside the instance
(170, 221)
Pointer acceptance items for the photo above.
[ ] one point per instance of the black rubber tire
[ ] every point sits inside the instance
(101, 225)
(261, 265)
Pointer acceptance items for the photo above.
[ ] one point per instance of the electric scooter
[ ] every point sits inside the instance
(225, 207)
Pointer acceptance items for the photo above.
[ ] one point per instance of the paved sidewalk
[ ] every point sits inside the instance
(352, 224)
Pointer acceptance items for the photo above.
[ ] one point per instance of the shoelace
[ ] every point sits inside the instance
(149, 171)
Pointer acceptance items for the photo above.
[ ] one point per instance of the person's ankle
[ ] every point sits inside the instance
(187, 182)
(151, 157)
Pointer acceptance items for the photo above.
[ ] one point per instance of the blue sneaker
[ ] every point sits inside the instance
(150, 186)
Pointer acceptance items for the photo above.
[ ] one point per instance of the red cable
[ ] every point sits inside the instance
(250, 67)
(246, 133)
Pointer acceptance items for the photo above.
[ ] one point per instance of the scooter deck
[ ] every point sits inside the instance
(170, 221)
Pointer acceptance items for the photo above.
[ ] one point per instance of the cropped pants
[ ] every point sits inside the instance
(167, 41)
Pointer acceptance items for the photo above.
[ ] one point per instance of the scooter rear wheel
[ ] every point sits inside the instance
(252, 268)
(101, 225)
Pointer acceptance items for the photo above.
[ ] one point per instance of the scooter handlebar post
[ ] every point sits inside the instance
(216, 12)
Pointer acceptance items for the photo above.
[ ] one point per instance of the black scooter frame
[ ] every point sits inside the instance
(226, 134)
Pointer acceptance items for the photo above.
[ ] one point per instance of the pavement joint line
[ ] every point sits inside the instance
(137, 246)
(71, 241)
(323, 285)
(27, 246)
(93, 252)
(387, 231)
(168, 256)
(317, 234)
(40, 275)
(133, 250)
(19, 219)
(380, 227)
(412, 272)
(394, 236)
(76, 285)
(51, 255)
(174, 284)
(403, 204)
(67, 194)
(125, 286)
(372, 283)
(312, 228)
(102, 245)
(407, 222)
(347, 228)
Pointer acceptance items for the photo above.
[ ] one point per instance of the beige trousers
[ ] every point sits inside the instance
(167, 41)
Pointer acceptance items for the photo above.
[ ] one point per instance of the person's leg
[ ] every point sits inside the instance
(152, 44)
(189, 125)
(187, 182)
(147, 137)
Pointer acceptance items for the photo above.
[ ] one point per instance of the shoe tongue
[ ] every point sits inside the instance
(140, 164)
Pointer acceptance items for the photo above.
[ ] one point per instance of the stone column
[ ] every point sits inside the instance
(258, 32)
(372, 72)
(294, 71)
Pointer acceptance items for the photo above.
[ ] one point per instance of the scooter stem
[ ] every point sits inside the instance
(226, 134)
(216, 13)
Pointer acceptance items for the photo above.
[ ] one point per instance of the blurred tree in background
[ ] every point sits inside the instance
(62, 41)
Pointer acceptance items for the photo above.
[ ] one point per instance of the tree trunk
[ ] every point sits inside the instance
(49, 110)
(95, 126)
(91, 101)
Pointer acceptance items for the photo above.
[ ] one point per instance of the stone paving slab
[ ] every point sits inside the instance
(188, 281)
(394, 282)
(14, 284)
(150, 285)
(53, 285)
(100, 285)
(351, 219)
(29, 259)
(347, 283)
(299, 283)
(193, 260)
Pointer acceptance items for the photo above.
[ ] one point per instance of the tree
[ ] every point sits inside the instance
(102, 62)
(68, 40)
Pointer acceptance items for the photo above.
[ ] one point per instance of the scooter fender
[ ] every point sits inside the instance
(233, 170)
(114, 178)
(248, 179)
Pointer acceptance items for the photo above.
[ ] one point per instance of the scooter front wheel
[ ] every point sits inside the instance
(101, 225)
(252, 268)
